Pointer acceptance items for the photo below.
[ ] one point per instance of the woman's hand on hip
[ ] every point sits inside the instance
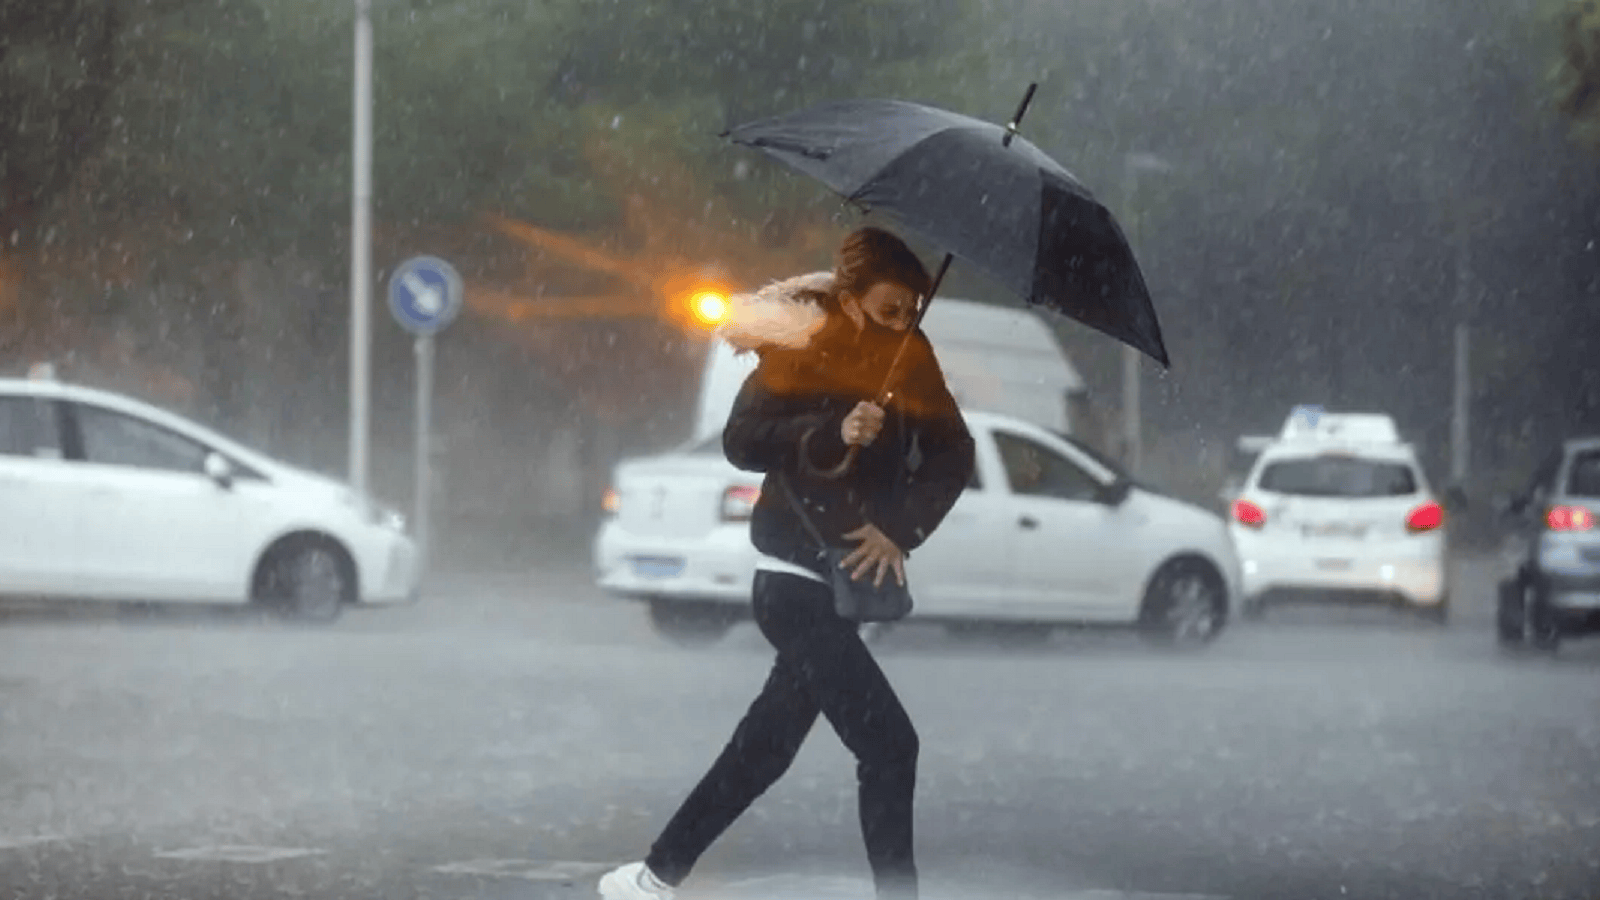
(862, 424)
(875, 551)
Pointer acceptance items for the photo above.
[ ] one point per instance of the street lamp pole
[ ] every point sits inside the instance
(1132, 435)
(361, 248)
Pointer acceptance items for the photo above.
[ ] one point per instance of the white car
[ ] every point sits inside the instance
(1048, 533)
(103, 497)
(1338, 507)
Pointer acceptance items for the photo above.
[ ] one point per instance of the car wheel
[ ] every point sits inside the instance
(1508, 617)
(1523, 619)
(1539, 627)
(690, 623)
(1185, 604)
(307, 579)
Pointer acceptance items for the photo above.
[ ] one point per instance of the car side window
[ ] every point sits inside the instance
(114, 439)
(1033, 469)
(28, 428)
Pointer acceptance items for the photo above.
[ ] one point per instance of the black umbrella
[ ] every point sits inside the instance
(979, 192)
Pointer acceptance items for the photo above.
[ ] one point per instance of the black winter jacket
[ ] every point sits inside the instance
(904, 482)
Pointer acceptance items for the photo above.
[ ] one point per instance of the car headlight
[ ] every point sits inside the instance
(375, 513)
(386, 517)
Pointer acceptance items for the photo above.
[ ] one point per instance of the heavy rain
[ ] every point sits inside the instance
(368, 530)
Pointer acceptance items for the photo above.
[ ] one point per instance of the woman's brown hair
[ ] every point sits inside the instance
(870, 255)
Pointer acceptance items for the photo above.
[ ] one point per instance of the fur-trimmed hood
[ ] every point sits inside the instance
(783, 314)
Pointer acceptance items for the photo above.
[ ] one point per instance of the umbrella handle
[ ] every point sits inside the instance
(836, 472)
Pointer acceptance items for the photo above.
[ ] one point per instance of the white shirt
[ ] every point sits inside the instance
(765, 563)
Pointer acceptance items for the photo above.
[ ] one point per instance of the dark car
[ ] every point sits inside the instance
(1554, 591)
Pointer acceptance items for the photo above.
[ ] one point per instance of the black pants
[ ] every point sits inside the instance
(822, 667)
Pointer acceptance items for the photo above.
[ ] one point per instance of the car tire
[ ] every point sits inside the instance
(308, 579)
(691, 623)
(1542, 631)
(1522, 617)
(1185, 604)
(1508, 625)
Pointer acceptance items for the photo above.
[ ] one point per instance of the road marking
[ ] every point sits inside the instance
(528, 869)
(238, 853)
(18, 841)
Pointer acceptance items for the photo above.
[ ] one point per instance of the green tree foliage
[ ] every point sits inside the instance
(60, 64)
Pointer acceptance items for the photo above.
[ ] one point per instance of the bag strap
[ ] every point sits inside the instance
(800, 510)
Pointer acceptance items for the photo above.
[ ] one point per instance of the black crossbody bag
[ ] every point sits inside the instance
(856, 601)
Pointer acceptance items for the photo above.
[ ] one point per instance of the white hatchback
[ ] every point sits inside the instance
(1048, 533)
(1323, 516)
(103, 497)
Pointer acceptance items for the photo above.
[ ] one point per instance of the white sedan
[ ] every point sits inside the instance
(103, 497)
(1048, 533)
(1327, 518)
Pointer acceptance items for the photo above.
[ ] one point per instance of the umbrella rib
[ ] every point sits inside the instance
(798, 149)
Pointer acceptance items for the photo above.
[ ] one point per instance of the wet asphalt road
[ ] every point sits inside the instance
(511, 735)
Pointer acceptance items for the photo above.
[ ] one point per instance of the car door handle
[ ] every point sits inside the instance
(1028, 522)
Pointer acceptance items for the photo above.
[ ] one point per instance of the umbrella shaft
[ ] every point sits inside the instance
(885, 393)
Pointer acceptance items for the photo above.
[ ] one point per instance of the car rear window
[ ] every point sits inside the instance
(1338, 476)
(1584, 479)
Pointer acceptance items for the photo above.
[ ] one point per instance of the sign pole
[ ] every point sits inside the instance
(425, 295)
(424, 451)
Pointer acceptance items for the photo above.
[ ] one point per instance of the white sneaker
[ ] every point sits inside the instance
(634, 881)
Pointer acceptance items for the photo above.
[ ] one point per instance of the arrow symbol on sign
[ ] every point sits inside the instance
(429, 300)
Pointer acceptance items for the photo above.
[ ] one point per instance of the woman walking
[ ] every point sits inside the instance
(825, 343)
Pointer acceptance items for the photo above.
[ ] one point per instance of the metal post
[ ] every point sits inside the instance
(1459, 444)
(1131, 416)
(361, 248)
(423, 486)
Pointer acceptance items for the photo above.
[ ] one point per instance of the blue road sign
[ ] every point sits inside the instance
(425, 295)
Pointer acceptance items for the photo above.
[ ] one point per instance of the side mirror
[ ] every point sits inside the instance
(218, 469)
(1115, 493)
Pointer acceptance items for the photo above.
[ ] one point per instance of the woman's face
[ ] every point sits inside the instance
(886, 303)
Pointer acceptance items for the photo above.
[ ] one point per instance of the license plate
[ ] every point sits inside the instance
(1334, 565)
(657, 566)
(1335, 529)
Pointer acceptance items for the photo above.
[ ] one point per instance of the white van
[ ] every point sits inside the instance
(995, 358)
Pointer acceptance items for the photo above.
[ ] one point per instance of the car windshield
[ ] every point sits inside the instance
(1338, 476)
(1584, 479)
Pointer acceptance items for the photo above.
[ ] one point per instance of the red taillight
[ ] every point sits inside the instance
(1569, 518)
(1248, 514)
(1426, 517)
(738, 502)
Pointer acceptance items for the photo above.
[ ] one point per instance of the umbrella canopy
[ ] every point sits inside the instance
(980, 193)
